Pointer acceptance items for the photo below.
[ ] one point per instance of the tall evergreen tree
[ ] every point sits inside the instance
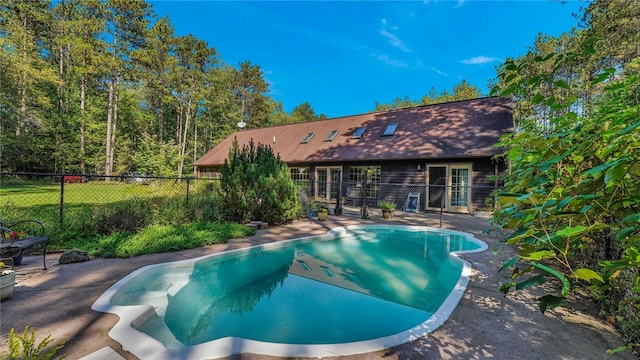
(257, 185)
(26, 83)
(195, 60)
(249, 88)
(126, 24)
(157, 60)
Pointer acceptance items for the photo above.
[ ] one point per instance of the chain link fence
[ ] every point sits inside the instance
(56, 197)
(67, 200)
(466, 208)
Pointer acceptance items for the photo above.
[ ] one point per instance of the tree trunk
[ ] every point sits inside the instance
(184, 138)
(83, 140)
(161, 121)
(195, 136)
(107, 167)
(22, 87)
(116, 94)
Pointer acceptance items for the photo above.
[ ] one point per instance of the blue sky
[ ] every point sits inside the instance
(342, 56)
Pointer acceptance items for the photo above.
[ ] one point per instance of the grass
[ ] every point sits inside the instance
(119, 219)
(42, 200)
(92, 193)
(163, 238)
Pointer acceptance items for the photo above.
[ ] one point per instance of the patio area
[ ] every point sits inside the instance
(485, 325)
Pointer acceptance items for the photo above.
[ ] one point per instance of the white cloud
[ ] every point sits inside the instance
(458, 4)
(479, 60)
(392, 62)
(438, 71)
(394, 40)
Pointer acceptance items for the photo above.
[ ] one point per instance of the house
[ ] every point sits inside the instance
(438, 152)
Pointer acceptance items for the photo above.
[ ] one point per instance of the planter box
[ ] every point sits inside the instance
(7, 282)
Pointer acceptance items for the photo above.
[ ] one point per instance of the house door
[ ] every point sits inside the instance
(448, 187)
(459, 192)
(328, 183)
(436, 189)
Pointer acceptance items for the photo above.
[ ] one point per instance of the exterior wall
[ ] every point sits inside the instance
(399, 178)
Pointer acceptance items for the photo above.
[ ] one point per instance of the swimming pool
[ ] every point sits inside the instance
(354, 290)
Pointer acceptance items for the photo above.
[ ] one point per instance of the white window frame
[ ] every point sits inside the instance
(327, 184)
(449, 167)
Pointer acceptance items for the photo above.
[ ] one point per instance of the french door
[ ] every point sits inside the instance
(328, 183)
(449, 187)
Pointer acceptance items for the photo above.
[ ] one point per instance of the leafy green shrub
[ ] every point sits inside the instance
(79, 226)
(257, 185)
(571, 195)
(206, 207)
(386, 205)
(169, 211)
(25, 347)
(163, 238)
(129, 215)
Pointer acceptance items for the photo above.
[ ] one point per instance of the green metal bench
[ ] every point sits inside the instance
(20, 237)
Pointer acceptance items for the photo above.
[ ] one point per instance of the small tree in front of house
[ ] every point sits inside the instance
(256, 185)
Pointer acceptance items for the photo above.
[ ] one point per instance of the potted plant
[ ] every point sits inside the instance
(7, 281)
(322, 210)
(387, 208)
(323, 214)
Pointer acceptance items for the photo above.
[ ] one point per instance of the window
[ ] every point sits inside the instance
(331, 135)
(300, 177)
(303, 265)
(390, 130)
(307, 138)
(209, 174)
(327, 271)
(357, 175)
(359, 132)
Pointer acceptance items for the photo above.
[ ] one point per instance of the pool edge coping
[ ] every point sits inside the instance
(146, 347)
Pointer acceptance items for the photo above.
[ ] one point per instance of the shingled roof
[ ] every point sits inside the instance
(460, 129)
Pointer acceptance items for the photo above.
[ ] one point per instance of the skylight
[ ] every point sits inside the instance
(359, 132)
(391, 129)
(331, 135)
(307, 138)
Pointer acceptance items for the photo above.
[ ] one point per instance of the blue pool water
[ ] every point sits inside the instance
(360, 284)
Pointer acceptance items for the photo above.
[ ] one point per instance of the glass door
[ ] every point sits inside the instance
(448, 187)
(328, 183)
(459, 194)
(322, 177)
(334, 183)
(436, 188)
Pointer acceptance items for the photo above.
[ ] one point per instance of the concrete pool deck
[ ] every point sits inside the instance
(485, 325)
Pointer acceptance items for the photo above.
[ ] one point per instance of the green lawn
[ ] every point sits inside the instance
(43, 201)
(92, 193)
(94, 213)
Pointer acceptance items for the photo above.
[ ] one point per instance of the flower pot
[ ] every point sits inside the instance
(322, 215)
(387, 213)
(7, 282)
